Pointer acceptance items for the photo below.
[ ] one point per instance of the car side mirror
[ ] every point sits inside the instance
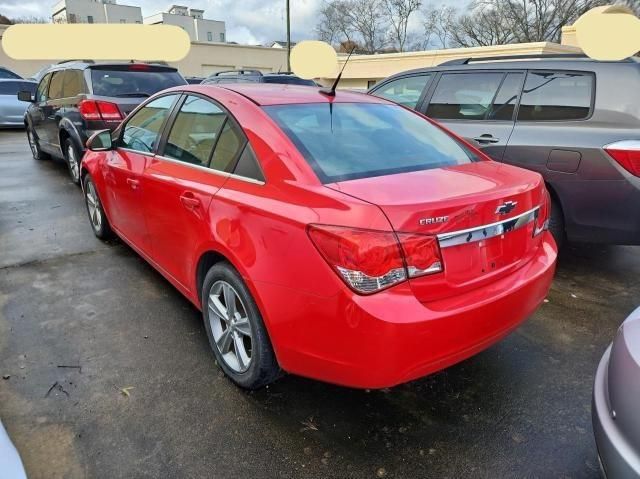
(26, 95)
(100, 141)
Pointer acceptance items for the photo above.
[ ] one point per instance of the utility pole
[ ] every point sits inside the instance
(288, 38)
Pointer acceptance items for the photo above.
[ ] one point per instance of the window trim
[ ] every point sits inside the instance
(547, 70)
(170, 120)
(504, 73)
(423, 94)
(123, 125)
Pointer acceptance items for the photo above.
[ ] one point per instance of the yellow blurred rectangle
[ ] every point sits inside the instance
(96, 41)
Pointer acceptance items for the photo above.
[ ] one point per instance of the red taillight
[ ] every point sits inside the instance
(627, 154)
(369, 261)
(99, 110)
(542, 220)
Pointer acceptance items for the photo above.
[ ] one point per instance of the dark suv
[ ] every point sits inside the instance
(256, 76)
(76, 98)
(574, 120)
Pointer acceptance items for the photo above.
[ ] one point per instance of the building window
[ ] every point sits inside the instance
(209, 36)
(90, 19)
(222, 37)
(122, 20)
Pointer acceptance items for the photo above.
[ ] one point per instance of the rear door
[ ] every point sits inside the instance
(125, 165)
(199, 151)
(477, 105)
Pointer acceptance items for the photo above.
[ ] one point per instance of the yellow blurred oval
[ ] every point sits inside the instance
(313, 59)
(96, 41)
(608, 33)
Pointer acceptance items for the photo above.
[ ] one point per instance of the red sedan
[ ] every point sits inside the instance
(343, 238)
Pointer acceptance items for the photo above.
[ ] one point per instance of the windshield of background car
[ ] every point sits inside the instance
(131, 83)
(345, 141)
(289, 80)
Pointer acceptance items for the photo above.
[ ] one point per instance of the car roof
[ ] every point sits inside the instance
(558, 62)
(82, 64)
(265, 94)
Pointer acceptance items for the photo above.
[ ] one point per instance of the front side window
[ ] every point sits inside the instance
(345, 141)
(43, 88)
(142, 130)
(556, 96)
(195, 131)
(464, 96)
(507, 98)
(406, 91)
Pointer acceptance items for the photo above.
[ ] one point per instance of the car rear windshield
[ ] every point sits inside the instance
(345, 141)
(132, 82)
(288, 80)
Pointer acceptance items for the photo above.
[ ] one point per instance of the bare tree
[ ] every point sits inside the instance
(368, 20)
(335, 24)
(438, 23)
(31, 19)
(399, 12)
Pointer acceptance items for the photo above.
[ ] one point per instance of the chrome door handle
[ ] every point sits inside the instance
(486, 138)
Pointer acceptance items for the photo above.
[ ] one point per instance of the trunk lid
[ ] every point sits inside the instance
(483, 213)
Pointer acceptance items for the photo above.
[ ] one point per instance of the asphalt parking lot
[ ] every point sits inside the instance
(109, 373)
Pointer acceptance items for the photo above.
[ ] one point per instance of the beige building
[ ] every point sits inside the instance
(94, 11)
(362, 71)
(191, 21)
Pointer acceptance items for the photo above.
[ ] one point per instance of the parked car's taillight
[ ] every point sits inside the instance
(542, 220)
(627, 154)
(99, 110)
(369, 261)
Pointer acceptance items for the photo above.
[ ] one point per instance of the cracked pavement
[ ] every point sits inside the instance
(111, 374)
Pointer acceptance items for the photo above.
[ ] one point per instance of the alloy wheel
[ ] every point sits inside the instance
(230, 326)
(74, 168)
(93, 205)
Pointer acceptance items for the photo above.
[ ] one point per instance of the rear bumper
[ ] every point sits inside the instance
(619, 459)
(390, 337)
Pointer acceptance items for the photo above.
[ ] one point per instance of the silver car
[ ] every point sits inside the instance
(11, 109)
(616, 403)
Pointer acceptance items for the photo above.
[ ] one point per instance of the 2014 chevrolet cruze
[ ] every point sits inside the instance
(339, 237)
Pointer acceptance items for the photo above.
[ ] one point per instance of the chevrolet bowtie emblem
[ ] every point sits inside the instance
(506, 207)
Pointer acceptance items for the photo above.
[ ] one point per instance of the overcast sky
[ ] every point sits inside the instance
(247, 21)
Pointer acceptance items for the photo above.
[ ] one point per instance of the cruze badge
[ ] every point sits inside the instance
(434, 220)
(506, 208)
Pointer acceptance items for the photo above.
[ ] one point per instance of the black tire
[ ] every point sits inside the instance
(262, 367)
(73, 157)
(34, 144)
(97, 218)
(556, 223)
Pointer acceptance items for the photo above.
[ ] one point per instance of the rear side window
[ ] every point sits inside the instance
(228, 148)
(248, 165)
(406, 91)
(55, 88)
(556, 96)
(194, 131)
(133, 81)
(507, 98)
(344, 141)
(464, 96)
(73, 83)
(13, 87)
(142, 130)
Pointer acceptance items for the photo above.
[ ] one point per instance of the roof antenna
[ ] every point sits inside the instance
(332, 91)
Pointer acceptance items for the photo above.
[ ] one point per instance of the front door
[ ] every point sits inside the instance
(181, 184)
(479, 106)
(37, 112)
(125, 165)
